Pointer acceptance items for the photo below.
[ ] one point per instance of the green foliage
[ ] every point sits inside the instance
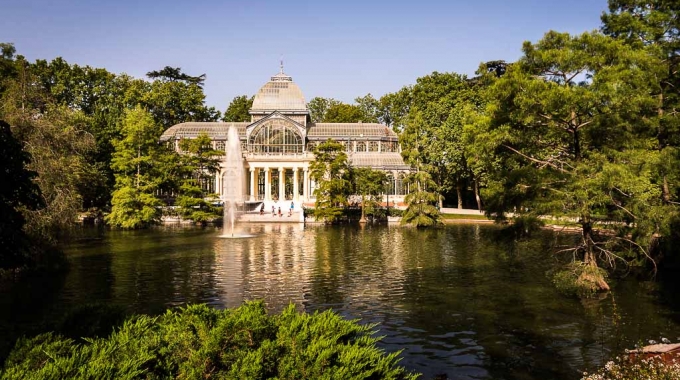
(199, 163)
(133, 207)
(421, 210)
(135, 163)
(238, 110)
(17, 191)
(330, 170)
(432, 138)
(568, 130)
(579, 279)
(344, 113)
(199, 342)
(370, 107)
(369, 184)
(318, 107)
(175, 74)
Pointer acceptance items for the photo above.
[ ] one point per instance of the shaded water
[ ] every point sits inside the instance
(461, 300)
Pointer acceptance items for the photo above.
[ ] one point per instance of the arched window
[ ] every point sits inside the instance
(275, 137)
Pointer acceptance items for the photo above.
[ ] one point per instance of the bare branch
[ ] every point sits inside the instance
(535, 160)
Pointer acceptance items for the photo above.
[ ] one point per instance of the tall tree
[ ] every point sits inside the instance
(134, 202)
(55, 136)
(654, 25)
(563, 128)
(319, 106)
(238, 109)
(421, 210)
(433, 135)
(18, 191)
(175, 74)
(200, 163)
(330, 170)
(370, 107)
(344, 113)
(369, 184)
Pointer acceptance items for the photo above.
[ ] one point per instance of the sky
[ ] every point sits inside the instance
(337, 49)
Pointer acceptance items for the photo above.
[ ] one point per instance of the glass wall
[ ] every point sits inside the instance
(275, 136)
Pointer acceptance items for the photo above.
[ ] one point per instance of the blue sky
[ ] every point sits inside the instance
(339, 49)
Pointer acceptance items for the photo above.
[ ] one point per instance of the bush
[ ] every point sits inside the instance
(579, 279)
(636, 369)
(201, 342)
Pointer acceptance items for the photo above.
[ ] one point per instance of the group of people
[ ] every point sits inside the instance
(274, 210)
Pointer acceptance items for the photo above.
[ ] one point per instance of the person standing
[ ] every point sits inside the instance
(292, 206)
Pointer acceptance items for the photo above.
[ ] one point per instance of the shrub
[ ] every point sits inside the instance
(579, 279)
(201, 342)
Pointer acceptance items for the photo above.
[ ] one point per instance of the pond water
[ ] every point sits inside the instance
(463, 300)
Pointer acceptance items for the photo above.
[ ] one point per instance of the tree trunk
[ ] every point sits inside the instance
(590, 274)
(459, 193)
(665, 193)
(440, 199)
(577, 142)
(477, 197)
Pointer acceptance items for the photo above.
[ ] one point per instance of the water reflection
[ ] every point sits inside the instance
(466, 300)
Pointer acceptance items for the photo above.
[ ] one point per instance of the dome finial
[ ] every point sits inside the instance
(281, 61)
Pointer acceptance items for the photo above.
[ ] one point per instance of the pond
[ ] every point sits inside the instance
(464, 300)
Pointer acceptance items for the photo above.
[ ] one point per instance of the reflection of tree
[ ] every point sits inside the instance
(467, 297)
(157, 271)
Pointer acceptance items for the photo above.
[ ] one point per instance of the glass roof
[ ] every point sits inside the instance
(280, 93)
(350, 130)
(384, 160)
(216, 131)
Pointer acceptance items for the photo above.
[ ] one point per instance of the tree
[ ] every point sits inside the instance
(174, 102)
(238, 109)
(421, 210)
(394, 107)
(175, 74)
(134, 203)
(369, 184)
(370, 108)
(18, 191)
(432, 138)
(344, 113)
(563, 126)
(330, 170)
(319, 106)
(200, 163)
(55, 136)
(653, 25)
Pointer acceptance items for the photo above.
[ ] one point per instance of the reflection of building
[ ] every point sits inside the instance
(278, 141)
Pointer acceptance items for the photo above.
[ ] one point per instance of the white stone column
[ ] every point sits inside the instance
(218, 180)
(267, 186)
(252, 184)
(305, 185)
(296, 184)
(282, 185)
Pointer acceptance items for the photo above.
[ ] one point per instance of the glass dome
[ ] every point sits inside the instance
(281, 94)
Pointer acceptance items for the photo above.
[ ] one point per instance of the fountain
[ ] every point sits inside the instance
(232, 183)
